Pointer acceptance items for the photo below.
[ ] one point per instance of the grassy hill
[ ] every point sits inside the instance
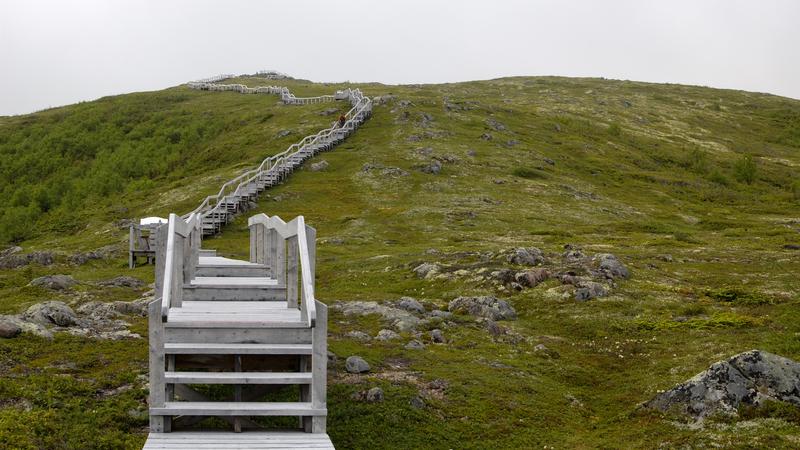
(694, 189)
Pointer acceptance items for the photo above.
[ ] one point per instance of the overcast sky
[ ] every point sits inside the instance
(57, 52)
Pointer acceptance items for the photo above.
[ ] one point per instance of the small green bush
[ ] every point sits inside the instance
(524, 172)
(718, 178)
(614, 129)
(745, 169)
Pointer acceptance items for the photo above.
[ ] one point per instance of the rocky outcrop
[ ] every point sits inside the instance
(122, 281)
(11, 259)
(54, 282)
(93, 319)
(749, 378)
(356, 364)
(531, 256)
(486, 306)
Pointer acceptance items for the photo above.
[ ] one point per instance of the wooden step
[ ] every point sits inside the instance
(215, 348)
(228, 440)
(238, 377)
(238, 409)
(233, 289)
(236, 335)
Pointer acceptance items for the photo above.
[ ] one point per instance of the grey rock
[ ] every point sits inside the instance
(9, 328)
(100, 253)
(10, 251)
(400, 318)
(26, 327)
(51, 313)
(549, 161)
(425, 270)
(356, 364)
(495, 125)
(610, 266)
(588, 290)
(665, 258)
(283, 133)
(415, 345)
(574, 255)
(417, 402)
(486, 137)
(411, 304)
(531, 278)
(330, 111)
(434, 168)
(387, 335)
(374, 395)
(749, 378)
(485, 306)
(54, 282)
(359, 335)
(437, 336)
(123, 281)
(512, 143)
(318, 166)
(14, 260)
(471, 152)
(437, 313)
(332, 359)
(531, 256)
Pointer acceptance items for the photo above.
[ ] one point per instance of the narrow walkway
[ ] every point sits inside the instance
(232, 340)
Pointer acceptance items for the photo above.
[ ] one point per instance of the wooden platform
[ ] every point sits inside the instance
(224, 440)
(238, 314)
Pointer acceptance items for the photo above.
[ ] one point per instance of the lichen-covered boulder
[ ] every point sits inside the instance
(51, 313)
(748, 378)
(610, 266)
(54, 282)
(486, 306)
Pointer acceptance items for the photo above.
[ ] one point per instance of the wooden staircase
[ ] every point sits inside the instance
(239, 342)
(228, 336)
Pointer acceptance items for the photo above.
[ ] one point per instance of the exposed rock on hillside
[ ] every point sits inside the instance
(93, 319)
(486, 306)
(12, 260)
(122, 281)
(748, 378)
(54, 282)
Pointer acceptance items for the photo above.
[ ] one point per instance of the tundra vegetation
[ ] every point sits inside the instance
(694, 191)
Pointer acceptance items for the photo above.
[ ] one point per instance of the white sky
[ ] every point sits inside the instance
(57, 52)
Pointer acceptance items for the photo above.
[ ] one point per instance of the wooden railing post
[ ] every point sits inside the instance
(158, 393)
(161, 252)
(319, 368)
(292, 272)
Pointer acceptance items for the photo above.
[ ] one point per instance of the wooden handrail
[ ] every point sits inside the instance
(295, 228)
(361, 104)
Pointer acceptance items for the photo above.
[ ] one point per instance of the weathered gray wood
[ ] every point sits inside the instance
(161, 250)
(238, 409)
(131, 248)
(156, 340)
(319, 368)
(292, 272)
(238, 335)
(241, 349)
(311, 238)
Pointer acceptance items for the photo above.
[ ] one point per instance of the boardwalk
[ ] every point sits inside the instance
(227, 336)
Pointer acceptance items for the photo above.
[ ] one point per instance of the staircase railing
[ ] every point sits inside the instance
(177, 255)
(289, 249)
(361, 108)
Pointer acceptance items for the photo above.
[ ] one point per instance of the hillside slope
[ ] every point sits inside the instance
(693, 189)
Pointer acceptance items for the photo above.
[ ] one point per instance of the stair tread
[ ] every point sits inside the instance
(238, 377)
(214, 348)
(238, 409)
(234, 282)
(222, 440)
